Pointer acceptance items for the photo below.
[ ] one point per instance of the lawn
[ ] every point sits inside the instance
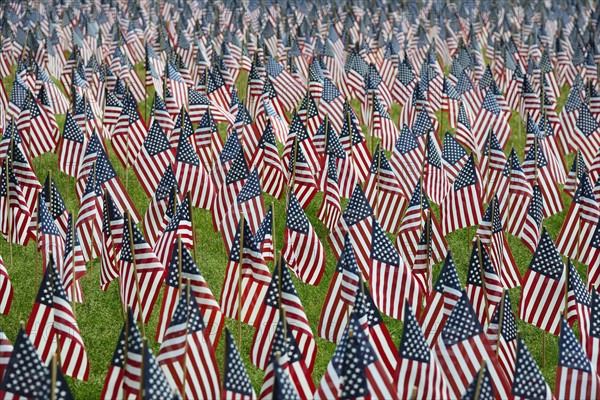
(100, 318)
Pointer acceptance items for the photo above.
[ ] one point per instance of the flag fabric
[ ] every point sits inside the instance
(282, 303)
(52, 326)
(514, 195)
(179, 227)
(543, 297)
(575, 375)
(89, 219)
(454, 156)
(462, 206)
(483, 287)
(236, 382)
(502, 334)
(266, 160)
(531, 383)
(183, 270)
(407, 160)
(462, 347)
(302, 248)
(264, 235)
(112, 238)
(154, 157)
(73, 264)
(140, 272)
(132, 376)
(593, 334)
(186, 347)
(6, 293)
(331, 209)
(578, 304)
(56, 204)
(49, 240)
(113, 383)
(417, 367)
(164, 198)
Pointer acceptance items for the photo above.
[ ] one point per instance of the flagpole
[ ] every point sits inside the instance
(53, 378)
(135, 271)
(239, 310)
(482, 275)
(500, 322)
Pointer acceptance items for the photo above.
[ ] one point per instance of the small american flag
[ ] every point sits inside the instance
(154, 157)
(407, 160)
(71, 147)
(73, 264)
(49, 239)
(236, 382)
(531, 383)
(331, 209)
(543, 296)
(302, 248)
(56, 205)
(514, 194)
(575, 375)
(454, 157)
(112, 235)
(483, 287)
(264, 236)
(593, 332)
(89, 219)
(578, 304)
(502, 334)
(435, 183)
(113, 383)
(180, 226)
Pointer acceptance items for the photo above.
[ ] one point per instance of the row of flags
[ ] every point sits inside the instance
(316, 74)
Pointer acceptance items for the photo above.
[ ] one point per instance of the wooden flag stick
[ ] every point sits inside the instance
(135, 272)
(239, 310)
(479, 380)
(53, 378)
(482, 274)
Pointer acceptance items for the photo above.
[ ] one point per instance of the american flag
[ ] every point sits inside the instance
(208, 140)
(593, 332)
(112, 237)
(291, 361)
(483, 287)
(112, 109)
(355, 362)
(282, 385)
(26, 375)
(73, 264)
(578, 169)
(159, 112)
(407, 160)
(451, 102)
(418, 373)
(298, 136)
(331, 209)
(302, 248)
(282, 303)
(6, 293)
(56, 204)
(435, 183)
(355, 143)
(129, 132)
(514, 195)
(254, 275)
(216, 90)
(502, 334)
(532, 227)
(481, 386)
(154, 157)
(140, 272)
(332, 104)
(578, 304)
(531, 383)
(288, 88)
(461, 349)
(177, 85)
(187, 347)
(587, 134)
(18, 97)
(180, 226)
(182, 127)
(236, 382)
(264, 235)
(6, 349)
(301, 179)
(28, 181)
(462, 206)
(71, 147)
(491, 166)
(309, 113)
(454, 157)
(236, 177)
(191, 175)
(382, 126)
(113, 383)
(405, 82)
(340, 295)
(182, 269)
(580, 222)
(490, 117)
(49, 239)
(164, 199)
(575, 375)
(332, 147)
(52, 326)
(43, 132)
(387, 266)
(543, 298)
(464, 134)
(384, 192)
(132, 376)
(89, 219)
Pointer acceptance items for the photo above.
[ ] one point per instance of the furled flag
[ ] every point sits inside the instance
(89, 219)
(264, 235)
(52, 326)
(356, 220)
(302, 248)
(462, 206)
(384, 192)
(355, 364)
(232, 185)
(530, 384)
(267, 160)
(461, 349)
(578, 304)
(187, 347)
(355, 143)
(154, 157)
(593, 334)
(183, 270)
(301, 178)
(514, 195)
(331, 209)
(6, 295)
(543, 298)
(576, 378)
(291, 361)
(73, 263)
(282, 303)
(140, 272)
(180, 226)
(236, 382)
(418, 373)
(113, 383)
(208, 140)
(491, 166)
(191, 175)
(112, 237)
(49, 239)
(134, 346)
(407, 160)
(435, 183)
(580, 223)
(502, 334)
(56, 204)
(164, 199)
(483, 287)
(391, 280)
(464, 134)
(255, 278)
(382, 126)
(26, 375)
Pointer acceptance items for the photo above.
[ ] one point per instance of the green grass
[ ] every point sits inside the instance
(100, 319)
